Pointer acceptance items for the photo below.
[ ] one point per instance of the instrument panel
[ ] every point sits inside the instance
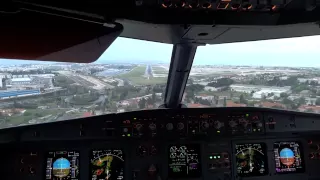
(218, 144)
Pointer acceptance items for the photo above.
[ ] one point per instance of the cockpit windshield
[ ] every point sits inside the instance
(132, 75)
(281, 74)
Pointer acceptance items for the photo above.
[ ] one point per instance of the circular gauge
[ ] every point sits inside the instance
(251, 159)
(142, 151)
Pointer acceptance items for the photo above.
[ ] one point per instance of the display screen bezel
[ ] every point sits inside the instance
(106, 149)
(196, 174)
(265, 159)
(63, 150)
(298, 170)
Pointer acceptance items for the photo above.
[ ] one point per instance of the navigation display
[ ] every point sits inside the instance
(251, 159)
(107, 164)
(184, 161)
(62, 165)
(288, 157)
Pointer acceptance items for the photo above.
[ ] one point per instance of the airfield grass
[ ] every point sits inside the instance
(159, 70)
(31, 114)
(136, 76)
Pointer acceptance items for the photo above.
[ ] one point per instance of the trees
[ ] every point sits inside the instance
(202, 101)
(313, 91)
(310, 110)
(277, 107)
(284, 95)
(148, 90)
(252, 92)
(270, 94)
(126, 83)
(243, 100)
(224, 102)
(124, 94)
(190, 95)
(129, 108)
(301, 100)
(294, 106)
(190, 81)
(251, 103)
(163, 95)
(264, 97)
(299, 88)
(112, 107)
(95, 70)
(276, 98)
(154, 98)
(287, 101)
(150, 101)
(314, 83)
(27, 113)
(195, 87)
(291, 81)
(274, 82)
(142, 103)
(221, 82)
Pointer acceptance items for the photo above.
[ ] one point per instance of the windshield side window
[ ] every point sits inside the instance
(130, 75)
(268, 74)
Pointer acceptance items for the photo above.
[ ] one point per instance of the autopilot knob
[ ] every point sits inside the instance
(243, 122)
(205, 125)
(32, 170)
(232, 124)
(169, 126)
(152, 126)
(217, 124)
(139, 127)
(180, 126)
(259, 125)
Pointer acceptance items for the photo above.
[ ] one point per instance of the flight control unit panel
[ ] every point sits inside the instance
(215, 144)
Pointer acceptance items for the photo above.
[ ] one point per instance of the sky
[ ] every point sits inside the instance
(294, 52)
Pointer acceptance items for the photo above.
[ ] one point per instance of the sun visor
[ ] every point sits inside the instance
(51, 36)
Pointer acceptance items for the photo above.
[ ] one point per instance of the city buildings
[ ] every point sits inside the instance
(20, 81)
(258, 92)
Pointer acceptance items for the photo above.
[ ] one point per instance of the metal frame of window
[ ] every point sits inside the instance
(180, 66)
